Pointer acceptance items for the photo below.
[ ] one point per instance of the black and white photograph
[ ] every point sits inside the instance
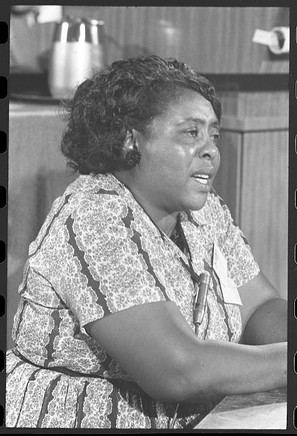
(147, 218)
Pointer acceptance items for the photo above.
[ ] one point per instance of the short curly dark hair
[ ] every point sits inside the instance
(128, 94)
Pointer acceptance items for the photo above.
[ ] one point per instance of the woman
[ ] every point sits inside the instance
(105, 335)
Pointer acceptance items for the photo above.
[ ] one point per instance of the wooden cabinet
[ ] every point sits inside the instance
(253, 181)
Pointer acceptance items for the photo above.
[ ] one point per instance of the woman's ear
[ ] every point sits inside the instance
(130, 142)
(132, 155)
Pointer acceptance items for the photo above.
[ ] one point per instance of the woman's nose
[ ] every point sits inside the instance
(209, 150)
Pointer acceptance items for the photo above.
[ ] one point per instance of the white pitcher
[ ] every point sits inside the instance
(77, 52)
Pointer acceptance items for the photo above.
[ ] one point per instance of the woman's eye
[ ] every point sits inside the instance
(216, 137)
(193, 132)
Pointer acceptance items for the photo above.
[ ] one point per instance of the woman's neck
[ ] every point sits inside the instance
(163, 220)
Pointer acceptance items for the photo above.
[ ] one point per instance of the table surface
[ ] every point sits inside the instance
(261, 410)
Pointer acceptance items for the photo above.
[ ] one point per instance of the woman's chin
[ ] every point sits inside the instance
(198, 202)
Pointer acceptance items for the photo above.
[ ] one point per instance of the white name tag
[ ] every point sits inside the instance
(228, 286)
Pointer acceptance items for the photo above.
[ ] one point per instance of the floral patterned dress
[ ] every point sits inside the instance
(97, 253)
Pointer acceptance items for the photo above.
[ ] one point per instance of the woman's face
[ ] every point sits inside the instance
(179, 159)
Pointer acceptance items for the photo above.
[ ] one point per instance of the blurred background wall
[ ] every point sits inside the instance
(251, 81)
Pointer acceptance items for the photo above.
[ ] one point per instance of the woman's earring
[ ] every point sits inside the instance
(132, 158)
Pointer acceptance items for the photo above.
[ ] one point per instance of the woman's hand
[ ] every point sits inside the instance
(154, 344)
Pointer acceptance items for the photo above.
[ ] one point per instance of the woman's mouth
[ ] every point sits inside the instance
(202, 178)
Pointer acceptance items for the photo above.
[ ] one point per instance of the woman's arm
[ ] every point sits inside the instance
(264, 313)
(154, 344)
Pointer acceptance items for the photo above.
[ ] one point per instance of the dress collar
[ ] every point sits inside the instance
(198, 216)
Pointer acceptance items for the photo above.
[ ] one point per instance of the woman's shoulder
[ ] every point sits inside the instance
(97, 189)
(104, 184)
(95, 198)
(86, 199)
(89, 207)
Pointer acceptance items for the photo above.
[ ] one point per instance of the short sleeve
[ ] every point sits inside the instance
(242, 266)
(105, 267)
